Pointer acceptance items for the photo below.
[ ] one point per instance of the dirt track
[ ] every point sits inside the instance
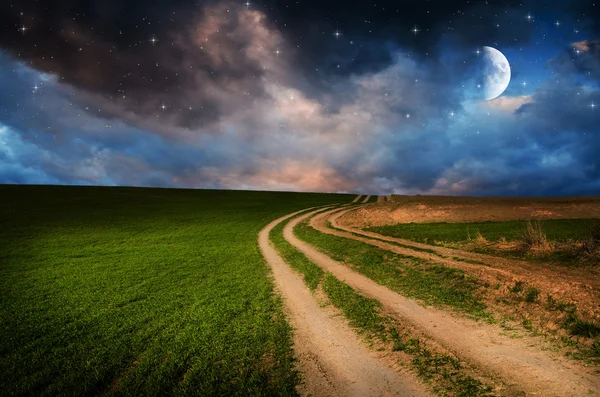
(520, 364)
(573, 284)
(419, 209)
(357, 198)
(331, 358)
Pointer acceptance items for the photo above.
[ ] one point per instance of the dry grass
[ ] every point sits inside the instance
(591, 246)
(534, 239)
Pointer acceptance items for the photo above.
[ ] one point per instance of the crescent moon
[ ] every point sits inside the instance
(496, 73)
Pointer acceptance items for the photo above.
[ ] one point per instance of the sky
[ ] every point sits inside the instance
(328, 96)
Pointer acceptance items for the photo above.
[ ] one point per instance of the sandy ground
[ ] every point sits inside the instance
(518, 362)
(357, 198)
(331, 358)
(423, 209)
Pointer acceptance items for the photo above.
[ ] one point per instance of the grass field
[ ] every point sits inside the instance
(556, 229)
(414, 277)
(557, 241)
(444, 372)
(141, 291)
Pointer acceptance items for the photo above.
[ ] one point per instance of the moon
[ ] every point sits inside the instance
(495, 73)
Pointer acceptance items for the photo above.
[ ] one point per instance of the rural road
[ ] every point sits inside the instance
(518, 267)
(515, 361)
(332, 359)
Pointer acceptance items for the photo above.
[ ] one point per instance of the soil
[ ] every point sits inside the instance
(331, 358)
(424, 209)
(520, 363)
(357, 198)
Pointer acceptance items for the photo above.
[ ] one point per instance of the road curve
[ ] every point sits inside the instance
(561, 279)
(357, 198)
(515, 361)
(331, 357)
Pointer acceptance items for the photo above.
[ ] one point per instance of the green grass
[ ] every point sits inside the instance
(141, 291)
(418, 278)
(560, 230)
(372, 199)
(312, 273)
(364, 315)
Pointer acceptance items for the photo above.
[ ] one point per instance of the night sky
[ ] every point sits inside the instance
(365, 97)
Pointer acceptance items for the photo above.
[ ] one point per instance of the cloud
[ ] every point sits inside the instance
(508, 104)
(241, 112)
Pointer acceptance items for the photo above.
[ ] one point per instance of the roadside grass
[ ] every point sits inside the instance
(126, 291)
(443, 371)
(414, 277)
(312, 273)
(560, 241)
(561, 230)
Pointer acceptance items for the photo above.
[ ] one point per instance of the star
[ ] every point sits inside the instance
(524, 83)
(337, 34)
(557, 23)
(415, 30)
(529, 17)
(163, 107)
(478, 52)
(153, 40)
(36, 88)
(593, 105)
(247, 4)
(23, 29)
(277, 52)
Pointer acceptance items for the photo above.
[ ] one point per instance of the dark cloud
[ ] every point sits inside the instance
(377, 110)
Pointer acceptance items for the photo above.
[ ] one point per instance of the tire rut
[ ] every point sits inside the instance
(518, 268)
(517, 362)
(331, 358)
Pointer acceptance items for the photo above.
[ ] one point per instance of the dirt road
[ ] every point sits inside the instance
(517, 266)
(331, 358)
(366, 199)
(518, 362)
(576, 284)
(357, 198)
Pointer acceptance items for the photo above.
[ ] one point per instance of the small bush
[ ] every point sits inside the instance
(534, 238)
(591, 245)
(596, 348)
(527, 324)
(532, 294)
(585, 328)
(518, 287)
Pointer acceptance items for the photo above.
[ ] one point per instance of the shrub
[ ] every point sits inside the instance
(585, 328)
(591, 245)
(534, 238)
(518, 287)
(532, 294)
